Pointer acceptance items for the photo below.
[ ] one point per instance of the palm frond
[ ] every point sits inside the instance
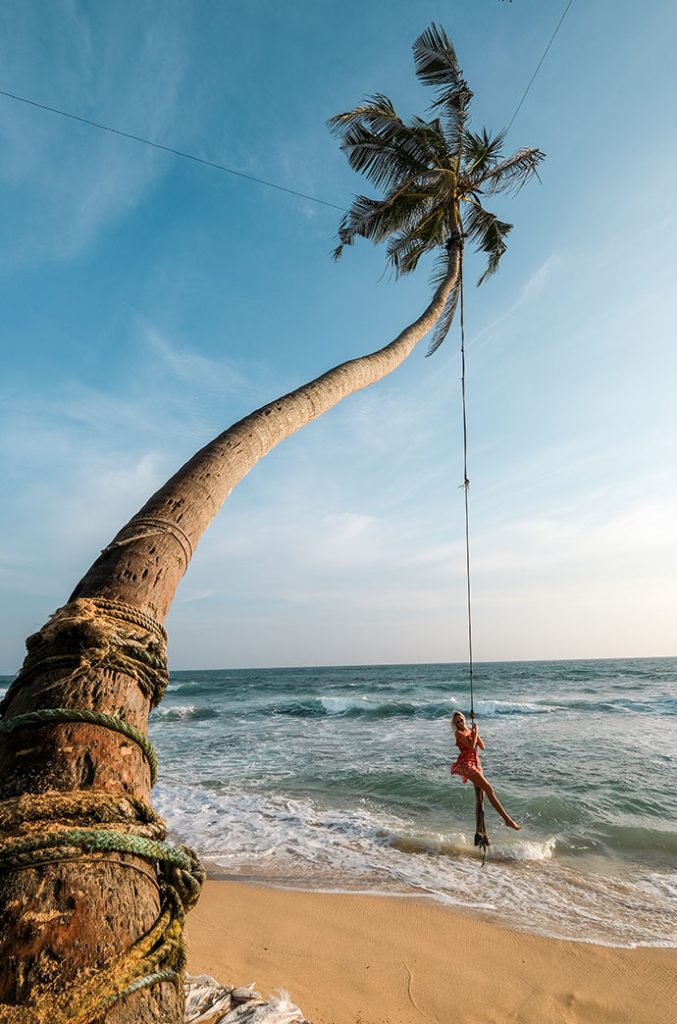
(404, 252)
(488, 232)
(435, 59)
(379, 144)
(512, 174)
(374, 112)
(437, 65)
(481, 151)
(443, 325)
(430, 136)
(377, 219)
(385, 164)
(408, 246)
(378, 117)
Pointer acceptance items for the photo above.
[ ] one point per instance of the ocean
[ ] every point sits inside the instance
(337, 779)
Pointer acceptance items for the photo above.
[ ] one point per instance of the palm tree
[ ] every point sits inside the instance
(434, 173)
(62, 914)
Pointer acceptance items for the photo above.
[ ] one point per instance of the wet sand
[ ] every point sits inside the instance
(355, 959)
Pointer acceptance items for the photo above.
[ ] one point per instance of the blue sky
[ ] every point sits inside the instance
(148, 302)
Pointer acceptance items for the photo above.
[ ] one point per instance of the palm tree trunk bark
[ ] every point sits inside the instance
(59, 918)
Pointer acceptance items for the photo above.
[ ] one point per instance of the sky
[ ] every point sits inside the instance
(148, 302)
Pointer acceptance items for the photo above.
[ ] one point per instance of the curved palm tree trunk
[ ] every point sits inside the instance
(63, 917)
(148, 557)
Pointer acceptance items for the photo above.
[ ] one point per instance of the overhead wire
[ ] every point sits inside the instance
(169, 149)
(538, 66)
(224, 168)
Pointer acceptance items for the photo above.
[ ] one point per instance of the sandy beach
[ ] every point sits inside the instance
(355, 959)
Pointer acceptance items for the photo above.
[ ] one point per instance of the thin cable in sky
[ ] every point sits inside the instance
(538, 66)
(170, 149)
(231, 170)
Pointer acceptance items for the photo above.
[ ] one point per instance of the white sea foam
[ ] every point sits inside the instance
(530, 849)
(295, 843)
(663, 886)
(182, 713)
(341, 705)
(369, 705)
(178, 711)
(511, 707)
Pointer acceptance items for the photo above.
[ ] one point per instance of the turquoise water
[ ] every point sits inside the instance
(338, 778)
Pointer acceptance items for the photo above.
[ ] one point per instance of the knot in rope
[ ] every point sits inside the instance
(186, 878)
(91, 634)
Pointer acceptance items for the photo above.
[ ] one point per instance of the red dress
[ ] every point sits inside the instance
(468, 761)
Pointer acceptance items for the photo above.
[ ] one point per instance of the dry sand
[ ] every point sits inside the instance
(353, 959)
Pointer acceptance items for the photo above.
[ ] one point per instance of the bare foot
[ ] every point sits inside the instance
(512, 824)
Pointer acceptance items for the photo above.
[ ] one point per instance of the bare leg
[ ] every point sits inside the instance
(479, 781)
(480, 829)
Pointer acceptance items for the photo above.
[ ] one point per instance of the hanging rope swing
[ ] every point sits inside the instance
(481, 838)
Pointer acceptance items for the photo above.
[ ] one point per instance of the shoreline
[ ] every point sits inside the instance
(492, 917)
(356, 958)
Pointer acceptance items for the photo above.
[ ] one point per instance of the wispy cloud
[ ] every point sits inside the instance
(68, 181)
(537, 584)
(530, 290)
(192, 368)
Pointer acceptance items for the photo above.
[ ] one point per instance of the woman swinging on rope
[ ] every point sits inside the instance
(468, 765)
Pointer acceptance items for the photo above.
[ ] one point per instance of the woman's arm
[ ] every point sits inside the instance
(479, 742)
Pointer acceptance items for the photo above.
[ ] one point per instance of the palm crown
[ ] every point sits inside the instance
(434, 174)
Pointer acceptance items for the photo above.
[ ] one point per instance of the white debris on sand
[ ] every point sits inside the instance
(207, 1002)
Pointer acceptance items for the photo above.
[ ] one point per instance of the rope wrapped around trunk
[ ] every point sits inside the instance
(49, 716)
(156, 956)
(86, 636)
(95, 634)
